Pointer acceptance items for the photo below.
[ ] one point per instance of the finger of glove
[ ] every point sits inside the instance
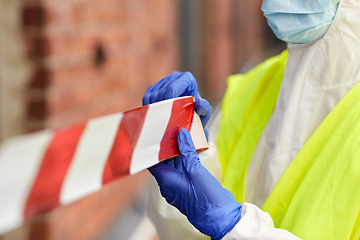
(163, 172)
(150, 91)
(186, 85)
(157, 94)
(176, 84)
(169, 162)
(153, 89)
(180, 88)
(189, 157)
(203, 108)
(175, 163)
(169, 180)
(206, 131)
(175, 76)
(178, 164)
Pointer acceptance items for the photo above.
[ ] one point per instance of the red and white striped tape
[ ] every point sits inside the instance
(51, 168)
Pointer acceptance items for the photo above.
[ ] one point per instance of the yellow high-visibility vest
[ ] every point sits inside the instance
(318, 197)
(246, 108)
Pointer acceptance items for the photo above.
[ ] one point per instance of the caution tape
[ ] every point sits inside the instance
(55, 167)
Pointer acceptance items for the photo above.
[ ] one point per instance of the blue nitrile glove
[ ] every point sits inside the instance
(179, 84)
(189, 187)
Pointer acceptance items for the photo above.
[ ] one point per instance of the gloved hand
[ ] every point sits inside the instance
(179, 84)
(188, 186)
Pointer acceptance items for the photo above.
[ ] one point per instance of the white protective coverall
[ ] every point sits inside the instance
(317, 76)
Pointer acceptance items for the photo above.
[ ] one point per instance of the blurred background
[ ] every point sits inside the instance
(62, 62)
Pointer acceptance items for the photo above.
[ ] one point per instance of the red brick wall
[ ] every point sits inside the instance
(138, 45)
(139, 42)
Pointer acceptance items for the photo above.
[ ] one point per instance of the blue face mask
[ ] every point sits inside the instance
(299, 21)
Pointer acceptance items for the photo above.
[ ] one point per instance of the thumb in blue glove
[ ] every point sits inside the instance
(191, 188)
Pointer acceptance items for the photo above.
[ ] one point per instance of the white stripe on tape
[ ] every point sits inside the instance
(146, 151)
(20, 161)
(86, 170)
(197, 133)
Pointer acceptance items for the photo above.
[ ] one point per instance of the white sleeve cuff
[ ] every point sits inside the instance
(257, 225)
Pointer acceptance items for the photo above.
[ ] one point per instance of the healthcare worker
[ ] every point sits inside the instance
(286, 144)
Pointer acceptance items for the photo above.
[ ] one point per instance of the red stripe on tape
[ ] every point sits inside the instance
(118, 163)
(45, 192)
(182, 113)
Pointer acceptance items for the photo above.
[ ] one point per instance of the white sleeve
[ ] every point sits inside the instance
(257, 225)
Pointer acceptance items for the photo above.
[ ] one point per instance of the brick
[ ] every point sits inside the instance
(39, 229)
(82, 93)
(36, 47)
(33, 125)
(40, 79)
(33, 15)
(97, 12)
(40, 14)
(36, 109)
